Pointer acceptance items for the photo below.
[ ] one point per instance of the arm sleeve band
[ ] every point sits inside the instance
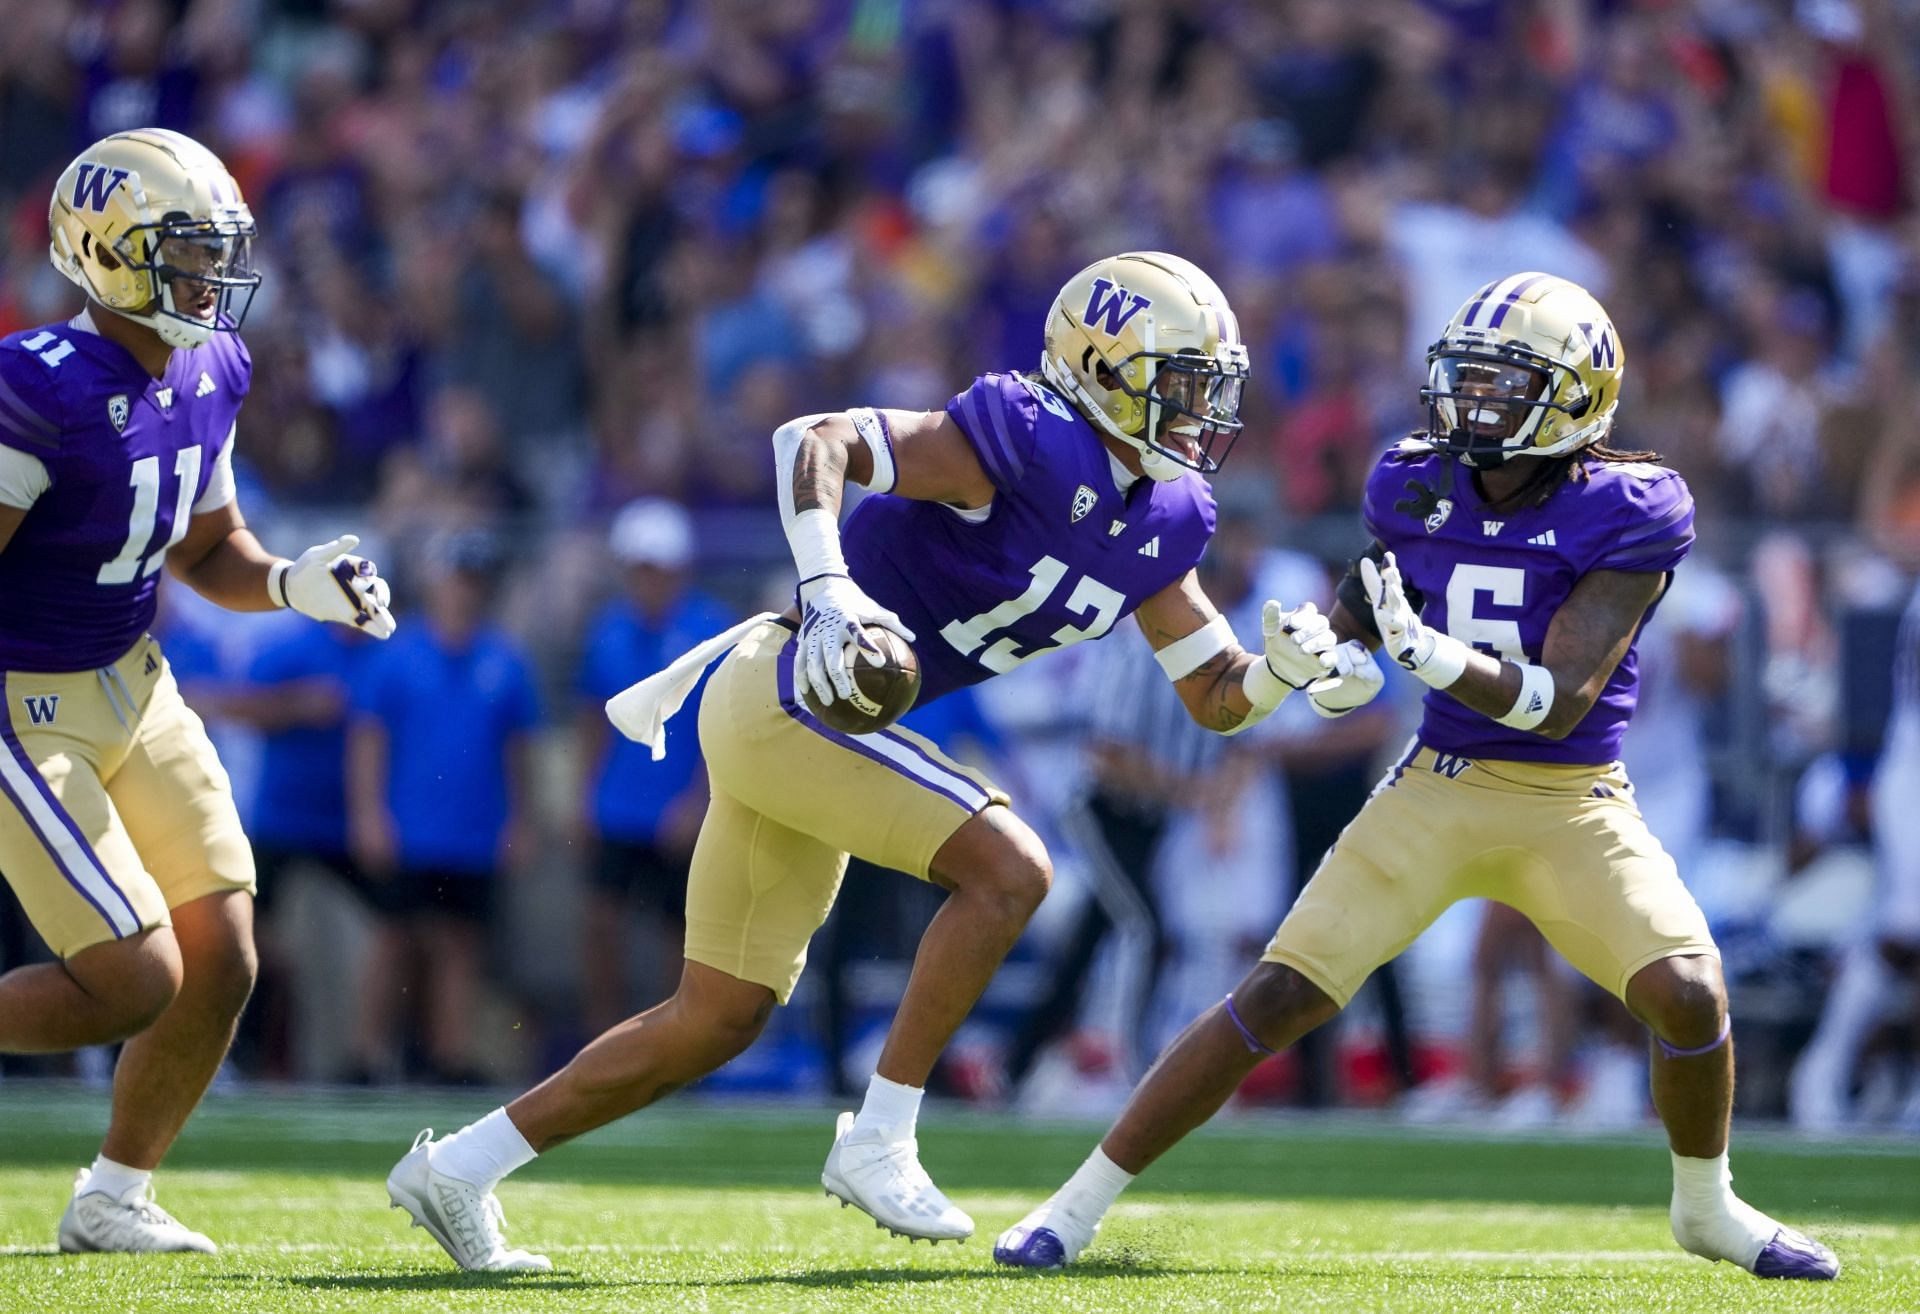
(1535, 700)
(873, 431)
(1184, 656)
(22, 479)
(813, 534)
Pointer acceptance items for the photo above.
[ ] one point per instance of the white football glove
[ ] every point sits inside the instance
(1355, 681)
(1434, 658)
(328, 583)
(832, 611)
(1297, 643)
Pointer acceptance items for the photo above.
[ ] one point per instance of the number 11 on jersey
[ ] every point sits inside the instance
(134, 561)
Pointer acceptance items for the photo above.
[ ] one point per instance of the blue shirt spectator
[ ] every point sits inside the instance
(655, 619)
(300, 681)
(625, 644)
(453, 708)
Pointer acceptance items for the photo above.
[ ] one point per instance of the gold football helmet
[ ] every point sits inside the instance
(150, 225)
(1529, 366)
(1146, 347)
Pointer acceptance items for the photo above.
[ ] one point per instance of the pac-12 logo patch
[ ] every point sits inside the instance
(118, 411)
(1438, 516)
(1084, 500)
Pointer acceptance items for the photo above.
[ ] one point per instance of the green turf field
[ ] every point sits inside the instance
(693, 1207)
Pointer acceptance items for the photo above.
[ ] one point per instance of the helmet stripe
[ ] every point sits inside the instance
(1480, 300)
(1500, 313)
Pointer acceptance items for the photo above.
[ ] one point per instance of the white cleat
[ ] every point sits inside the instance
(884, 1180)
(131, 1224)
(1052, 1236)
(465, 1220)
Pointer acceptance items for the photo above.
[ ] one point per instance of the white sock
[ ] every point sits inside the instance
(114, 1179)
(890, 1109)
(1094, 1186)
(483, 1152)
(1702, 1184)
(1709, 1219)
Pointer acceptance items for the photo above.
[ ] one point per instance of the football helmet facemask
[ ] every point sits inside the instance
(150, 225)
(1145, 346)
(1529, 366)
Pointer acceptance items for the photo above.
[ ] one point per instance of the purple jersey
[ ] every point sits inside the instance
(1059, 555)
(127, 456)
(1494, 579)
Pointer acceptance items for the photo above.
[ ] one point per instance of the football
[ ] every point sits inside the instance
(882, 693)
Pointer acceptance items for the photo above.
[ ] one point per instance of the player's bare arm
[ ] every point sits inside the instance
(10, 518)
(220, 559)
(1212, 691)
(913, 454)
(1588, 637)
(923, 455)
(223, 562)
(1223, 686)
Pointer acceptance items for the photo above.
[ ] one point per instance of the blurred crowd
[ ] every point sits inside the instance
(531, 262)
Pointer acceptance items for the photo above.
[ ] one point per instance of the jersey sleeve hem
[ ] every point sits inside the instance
(23, 478)
(220, 488)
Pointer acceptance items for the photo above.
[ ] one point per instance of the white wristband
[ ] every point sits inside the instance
(1445, 664)
(1263, 688)
(1184, 656)
(814, 536)
(277, 583)
(1535, 700)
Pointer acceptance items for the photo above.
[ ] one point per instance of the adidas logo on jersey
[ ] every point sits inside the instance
(1492, 527)
(1542, 540)
(205, 385)
(1151, 548)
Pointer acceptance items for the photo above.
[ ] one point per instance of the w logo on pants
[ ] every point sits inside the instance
(42, 709)
(1449, 765)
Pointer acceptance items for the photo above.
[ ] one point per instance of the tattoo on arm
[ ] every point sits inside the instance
(1210, 682)
(819, 473)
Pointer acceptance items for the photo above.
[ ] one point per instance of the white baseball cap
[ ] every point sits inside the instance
(652, 531)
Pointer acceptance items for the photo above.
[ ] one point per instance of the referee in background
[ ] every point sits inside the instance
(1145, 757)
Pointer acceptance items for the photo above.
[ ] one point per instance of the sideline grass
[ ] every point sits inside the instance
(703, 1208)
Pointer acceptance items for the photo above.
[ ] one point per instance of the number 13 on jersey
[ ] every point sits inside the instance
(1089, 598)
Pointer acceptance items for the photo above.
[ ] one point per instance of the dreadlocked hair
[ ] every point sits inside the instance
(1571, 468)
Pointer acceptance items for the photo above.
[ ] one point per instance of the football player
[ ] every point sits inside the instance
(117, 823)
(1515, 557)
(1033, 512)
